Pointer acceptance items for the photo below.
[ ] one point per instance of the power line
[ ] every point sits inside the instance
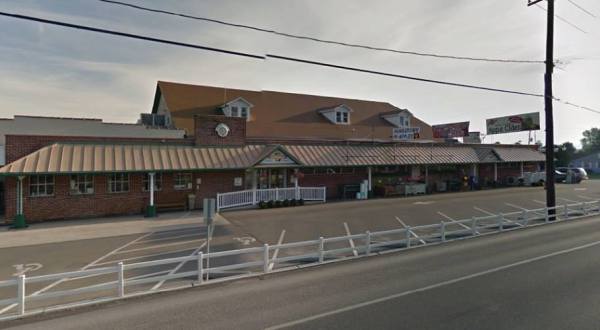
(333, 42)
(180, 44)
(563, 20)
(582, 8)
(336, 66)
(130, 35)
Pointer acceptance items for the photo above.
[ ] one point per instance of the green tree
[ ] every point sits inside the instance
(564, 154)
(591, 140)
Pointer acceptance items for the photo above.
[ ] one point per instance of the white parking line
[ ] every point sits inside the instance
(152, 240)
(350, 240)
(568, 200)
(174, 270)
(429, 287)
(539, 202)
(411, 232)
(276, 252)
(449, 218)
(91, 264)
(515, 206)
(143, 256)
(483, 211)
(162, 245)
(586, 197)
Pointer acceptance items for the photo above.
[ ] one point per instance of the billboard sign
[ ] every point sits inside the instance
(448, 131)
(473, 138)
(406, 133)
(516, 123)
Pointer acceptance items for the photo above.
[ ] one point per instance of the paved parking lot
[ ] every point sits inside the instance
(247, 228)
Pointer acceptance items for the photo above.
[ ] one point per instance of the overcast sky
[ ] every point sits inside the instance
(55, 71)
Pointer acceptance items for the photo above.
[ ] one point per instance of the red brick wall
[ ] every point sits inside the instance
(332, 181)
(205, 133)
(63, 205)
(18, 146)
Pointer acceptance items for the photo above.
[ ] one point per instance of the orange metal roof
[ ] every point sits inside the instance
(63, 158)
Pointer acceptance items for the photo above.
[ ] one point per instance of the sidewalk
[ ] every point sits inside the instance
(73, 230)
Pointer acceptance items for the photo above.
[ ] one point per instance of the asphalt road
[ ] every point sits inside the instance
(253, 228)
(538, 278)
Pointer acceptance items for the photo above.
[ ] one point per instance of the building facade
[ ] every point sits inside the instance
(243, 141)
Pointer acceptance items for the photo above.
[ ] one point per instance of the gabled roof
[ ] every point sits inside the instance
(279, 115)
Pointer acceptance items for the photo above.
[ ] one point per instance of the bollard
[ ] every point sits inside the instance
(266, 258)
(408, 236)
(321, 249)
(443, 231)
(120, 280)
(21, 294)
(200, 268)
(368, 243)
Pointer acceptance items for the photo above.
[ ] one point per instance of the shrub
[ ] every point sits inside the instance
(270, 204)
(286, 203)
(301, 201)
(278, 204)
(293, 202)
(262, 205)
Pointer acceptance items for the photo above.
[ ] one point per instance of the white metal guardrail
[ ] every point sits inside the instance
(320, 250)
(254, 196)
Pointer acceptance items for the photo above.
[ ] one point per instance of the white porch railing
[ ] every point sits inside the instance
(254, 196)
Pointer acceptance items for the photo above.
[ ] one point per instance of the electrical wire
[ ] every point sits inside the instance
(333, 42)
(285, 58)
(562, 19)
(582, 8)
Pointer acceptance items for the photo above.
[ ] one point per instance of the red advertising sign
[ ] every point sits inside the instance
(454, 130)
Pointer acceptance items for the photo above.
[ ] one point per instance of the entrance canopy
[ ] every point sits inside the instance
(64, 158)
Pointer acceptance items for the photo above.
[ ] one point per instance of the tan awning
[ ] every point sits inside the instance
(105, 158)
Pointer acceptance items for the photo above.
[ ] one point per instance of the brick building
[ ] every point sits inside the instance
(246, 143)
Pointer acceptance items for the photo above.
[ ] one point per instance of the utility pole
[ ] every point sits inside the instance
(548, 98)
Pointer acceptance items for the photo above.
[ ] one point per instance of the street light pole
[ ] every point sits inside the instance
(548, 98)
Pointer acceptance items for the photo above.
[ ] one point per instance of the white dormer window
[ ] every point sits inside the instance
(339, 115)
(399, 118)
(238, 108)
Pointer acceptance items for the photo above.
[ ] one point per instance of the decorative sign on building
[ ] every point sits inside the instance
(453, 130)
(406, 133)
(277, 158)
(516, 123)
(472, 138)
(222, 130)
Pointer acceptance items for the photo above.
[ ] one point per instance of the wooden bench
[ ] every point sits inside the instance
(173, 206)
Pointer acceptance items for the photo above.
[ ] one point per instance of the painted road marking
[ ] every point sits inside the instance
(411, 232)
(586, 197)
(350, 240)
(453, 221)
(424, 203)
(276, 252)
(430, 287)
(161, 245)
(580, 189)
(174, 270)
(539, 202)
(152, 240)
(50, 286)
(141, 257)
(516, 206)
(21, 269)
(490, 213)
(246, 240)
(568, 200)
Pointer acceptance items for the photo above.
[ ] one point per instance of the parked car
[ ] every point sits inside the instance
(579, 173)
(559, 176)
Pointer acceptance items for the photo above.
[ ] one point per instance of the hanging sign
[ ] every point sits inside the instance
(453, 130)
(406, 133)
(516, 123)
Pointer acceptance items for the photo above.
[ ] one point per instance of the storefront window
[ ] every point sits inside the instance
(81, 184)
(157, 182)
(118, 183)
(183, 181)
(41, 185)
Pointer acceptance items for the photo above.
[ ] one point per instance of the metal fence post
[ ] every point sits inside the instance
(583, 209)
(266, 258)
(443, 231)
(276, 193)
(474, 226)
(566, 211)
(407, 236)
(120, 280)
(200, 268)
(321, 249)
(21, 294)
(501, 222)
(368, 243)
(547, 214)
